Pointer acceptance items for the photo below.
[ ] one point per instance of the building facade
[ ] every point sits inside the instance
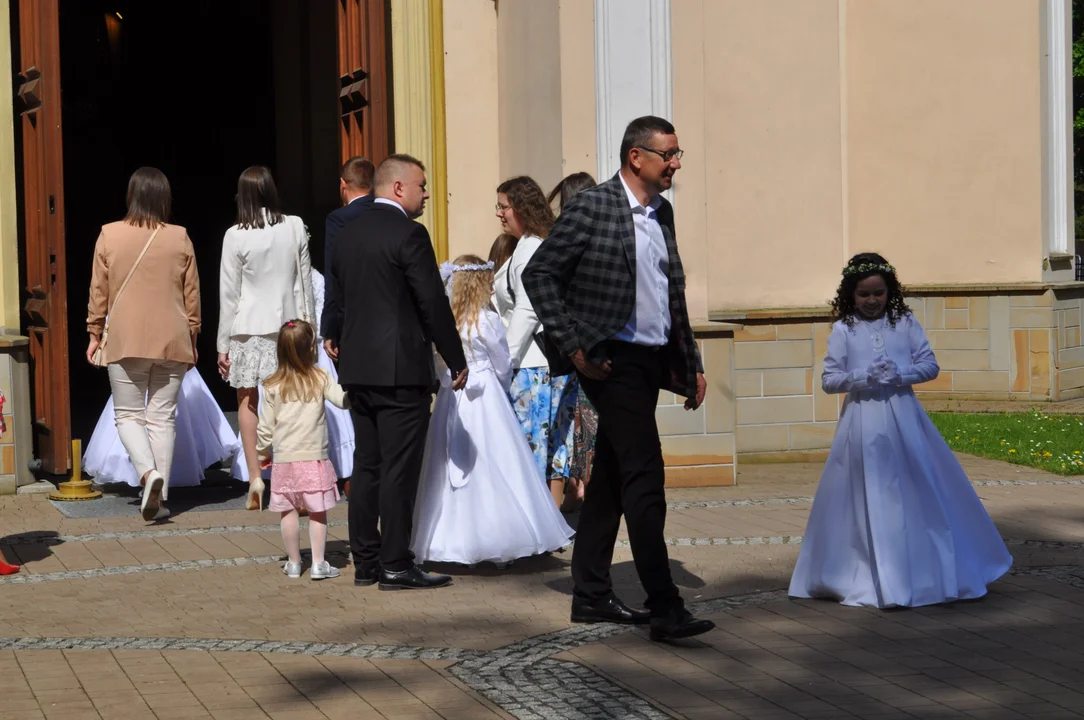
(938, 134)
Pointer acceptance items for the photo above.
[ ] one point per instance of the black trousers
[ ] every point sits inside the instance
(627, 477)
(390, 424)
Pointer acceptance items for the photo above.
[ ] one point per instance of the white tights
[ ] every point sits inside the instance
(291, 535)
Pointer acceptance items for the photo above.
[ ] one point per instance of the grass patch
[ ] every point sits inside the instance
(1054, 443)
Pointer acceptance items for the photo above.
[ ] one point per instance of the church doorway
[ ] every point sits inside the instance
(200, 90)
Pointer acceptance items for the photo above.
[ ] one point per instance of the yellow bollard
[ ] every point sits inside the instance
(77, 488)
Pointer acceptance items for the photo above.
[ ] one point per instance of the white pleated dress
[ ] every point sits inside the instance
(895, 521)
(480, 497)
(204, 438)
(340, 428)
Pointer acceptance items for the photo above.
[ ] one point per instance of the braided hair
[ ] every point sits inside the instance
(860, 267)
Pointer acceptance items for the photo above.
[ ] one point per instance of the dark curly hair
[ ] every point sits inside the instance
(529, 202)
(843, 307)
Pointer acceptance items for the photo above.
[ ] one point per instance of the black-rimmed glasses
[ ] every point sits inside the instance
(666, 155)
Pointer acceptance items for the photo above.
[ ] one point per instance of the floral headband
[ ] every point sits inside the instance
(868, 268)
(447, 269)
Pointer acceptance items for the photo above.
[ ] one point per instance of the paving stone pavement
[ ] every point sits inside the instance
(114, 618)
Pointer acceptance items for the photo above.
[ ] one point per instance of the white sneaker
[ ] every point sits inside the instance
(323, 571)
(292, 569)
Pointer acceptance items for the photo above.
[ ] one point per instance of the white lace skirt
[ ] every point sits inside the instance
(253, 359)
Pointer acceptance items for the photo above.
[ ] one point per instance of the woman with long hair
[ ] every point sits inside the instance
(545, 405)
(265, 279)
(143, 317)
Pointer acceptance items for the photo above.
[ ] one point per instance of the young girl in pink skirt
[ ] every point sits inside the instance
(293, 423)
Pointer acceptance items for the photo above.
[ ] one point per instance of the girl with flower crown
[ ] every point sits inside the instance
(481, 496)
(895, 521)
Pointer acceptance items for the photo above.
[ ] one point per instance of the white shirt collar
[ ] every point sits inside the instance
(633, 202)
(385, 201)
(359, 197)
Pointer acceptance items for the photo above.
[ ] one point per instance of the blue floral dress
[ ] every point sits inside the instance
(546, 409)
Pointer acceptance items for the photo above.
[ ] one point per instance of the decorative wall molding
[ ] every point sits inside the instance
(1058, 114)
(629, 82)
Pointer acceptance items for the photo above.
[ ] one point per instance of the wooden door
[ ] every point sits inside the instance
(364, 100)
(38, 102)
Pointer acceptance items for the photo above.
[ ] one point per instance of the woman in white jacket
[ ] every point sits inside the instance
(545, 405)
(264, 280)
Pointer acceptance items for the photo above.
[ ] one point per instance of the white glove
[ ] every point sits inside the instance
(890, 375)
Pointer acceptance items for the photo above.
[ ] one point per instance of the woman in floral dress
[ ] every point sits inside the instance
(544, 405)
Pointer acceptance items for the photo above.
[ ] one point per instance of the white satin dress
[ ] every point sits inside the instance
(480, 497)
(204, 438)
(895, 521)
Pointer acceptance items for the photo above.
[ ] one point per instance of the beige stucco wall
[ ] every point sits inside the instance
(757, 107)
(521, 100)
(529, 87)
(471, 123)
(944, 137)
(819, 128)
(577, 42)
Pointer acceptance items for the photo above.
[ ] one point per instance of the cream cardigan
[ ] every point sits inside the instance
(296, 430)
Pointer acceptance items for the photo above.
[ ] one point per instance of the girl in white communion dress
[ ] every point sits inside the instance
(895, 522)
(481, 497)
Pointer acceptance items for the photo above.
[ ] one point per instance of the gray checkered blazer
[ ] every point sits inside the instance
(582, 283)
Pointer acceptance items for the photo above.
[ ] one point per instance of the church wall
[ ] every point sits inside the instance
(815, 129)
(472, 111)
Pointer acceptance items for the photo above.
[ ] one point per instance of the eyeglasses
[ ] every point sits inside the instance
(666, 155)
(502, 208)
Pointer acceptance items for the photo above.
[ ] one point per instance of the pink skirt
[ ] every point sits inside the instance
(309, 485)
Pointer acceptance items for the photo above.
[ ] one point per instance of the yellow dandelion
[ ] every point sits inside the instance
(1012, 450)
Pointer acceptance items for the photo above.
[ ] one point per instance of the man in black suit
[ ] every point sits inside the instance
(356, 193)
(609, 288)
(394, 311)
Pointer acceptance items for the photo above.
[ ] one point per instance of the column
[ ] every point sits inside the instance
(629, 82)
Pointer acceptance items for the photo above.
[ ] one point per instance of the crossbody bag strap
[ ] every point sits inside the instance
(132, 272)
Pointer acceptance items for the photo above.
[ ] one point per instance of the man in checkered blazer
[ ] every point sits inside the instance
(609, 289)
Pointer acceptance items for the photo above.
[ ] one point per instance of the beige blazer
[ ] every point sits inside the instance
(258, 284)
(159, 311)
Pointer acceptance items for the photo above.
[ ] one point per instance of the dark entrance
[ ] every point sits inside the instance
(200, 90)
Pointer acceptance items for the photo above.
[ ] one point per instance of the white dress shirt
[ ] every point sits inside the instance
(649, 323)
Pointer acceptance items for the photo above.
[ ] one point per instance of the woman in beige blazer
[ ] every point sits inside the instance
(265, 280)
(153, 325)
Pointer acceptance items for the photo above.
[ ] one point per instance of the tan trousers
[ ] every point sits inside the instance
(145, 408)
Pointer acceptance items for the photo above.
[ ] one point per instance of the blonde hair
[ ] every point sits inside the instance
(470, 291)
(297, 374)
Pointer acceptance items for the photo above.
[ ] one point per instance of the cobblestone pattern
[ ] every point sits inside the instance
(355, 650)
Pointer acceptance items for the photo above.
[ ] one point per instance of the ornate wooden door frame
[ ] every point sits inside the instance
(364, 101)
(38, 103)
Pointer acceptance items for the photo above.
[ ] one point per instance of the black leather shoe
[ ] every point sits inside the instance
(364, 577)
(609, 610)
(678, 624)
(412, 579)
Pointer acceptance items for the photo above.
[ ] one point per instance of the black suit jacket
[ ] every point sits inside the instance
(582, 283)
(336, 220)
(394, 305)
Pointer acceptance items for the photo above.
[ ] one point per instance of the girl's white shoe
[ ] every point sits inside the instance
(323, 571)
(292, 569)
